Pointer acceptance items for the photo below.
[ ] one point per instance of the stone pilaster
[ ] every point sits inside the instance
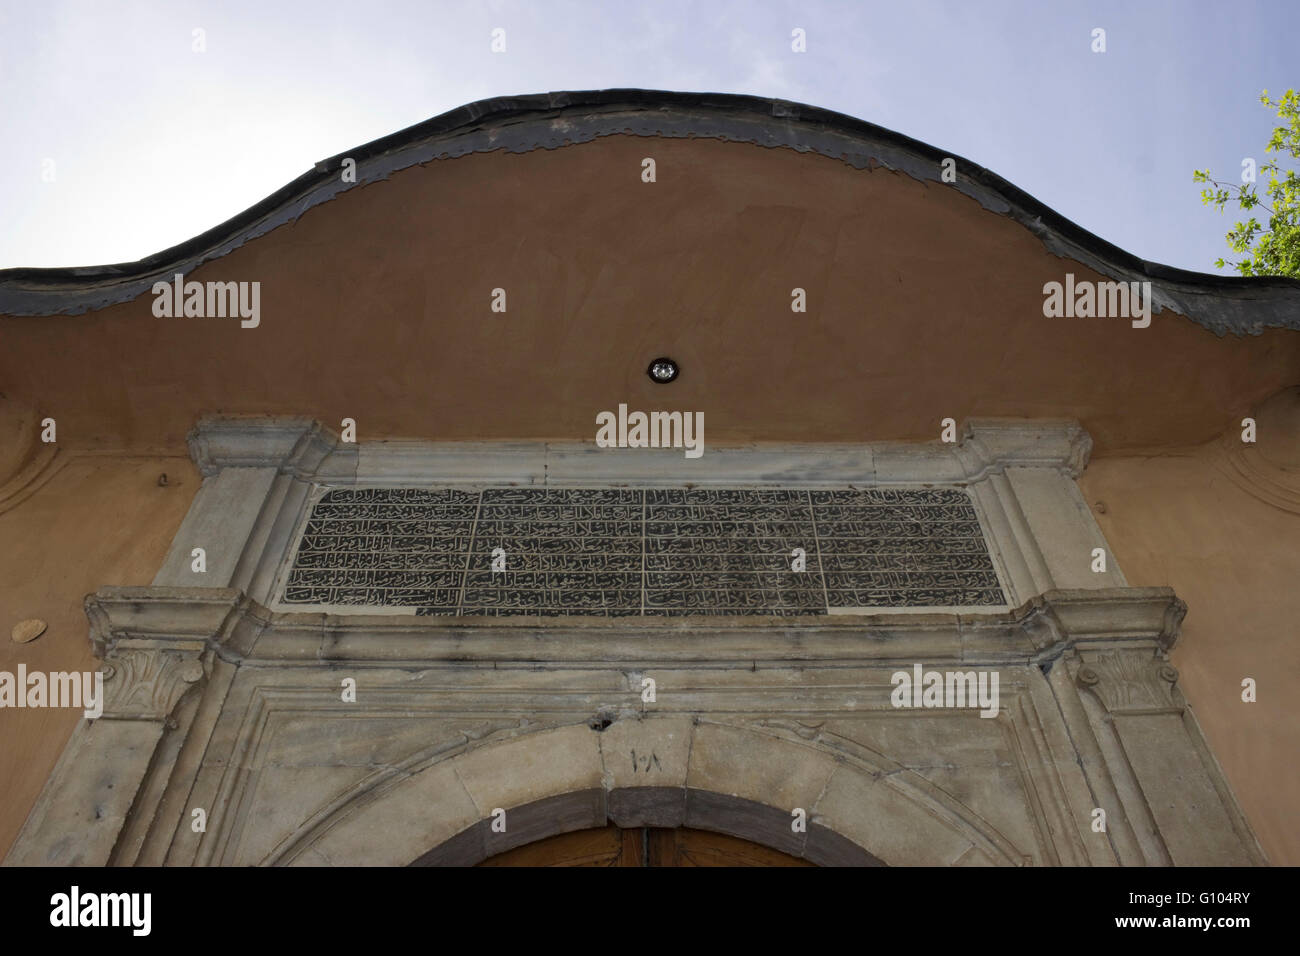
(1170, 803)
(152, 660)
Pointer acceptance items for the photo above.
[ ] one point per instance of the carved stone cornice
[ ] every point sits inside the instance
(997, 443)
(164, 616)
(1109, 614)
(296, 446)
(238, 628)
(308, 450)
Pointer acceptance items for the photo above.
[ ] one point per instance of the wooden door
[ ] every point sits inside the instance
(643, 846)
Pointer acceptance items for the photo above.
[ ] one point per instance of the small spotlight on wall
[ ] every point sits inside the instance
(662, 370)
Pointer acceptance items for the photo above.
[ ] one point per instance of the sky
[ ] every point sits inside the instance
(119, 138)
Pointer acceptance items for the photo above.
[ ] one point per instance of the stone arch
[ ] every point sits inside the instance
(744, 781)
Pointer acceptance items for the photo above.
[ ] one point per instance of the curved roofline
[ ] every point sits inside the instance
(1241, 305)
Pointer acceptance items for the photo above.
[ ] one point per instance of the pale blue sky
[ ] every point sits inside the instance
(153, 143)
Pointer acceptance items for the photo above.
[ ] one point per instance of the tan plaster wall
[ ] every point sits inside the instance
(96, 520)
(1177, 520)
(375, 306)
(922, 306)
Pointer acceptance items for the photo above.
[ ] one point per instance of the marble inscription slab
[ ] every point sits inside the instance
(617, 552)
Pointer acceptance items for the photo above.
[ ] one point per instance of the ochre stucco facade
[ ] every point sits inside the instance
(922, 305)
(376, 306)
(92, 520)
(1175, 519)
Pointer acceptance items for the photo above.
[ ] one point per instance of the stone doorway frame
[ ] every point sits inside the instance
(201, 678)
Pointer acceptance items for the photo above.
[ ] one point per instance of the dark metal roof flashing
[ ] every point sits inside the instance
(518, 124)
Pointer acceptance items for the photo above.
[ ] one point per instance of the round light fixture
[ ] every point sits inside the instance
(662, 370)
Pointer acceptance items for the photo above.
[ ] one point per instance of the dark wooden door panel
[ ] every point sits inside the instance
(603, 847)
(643, 846)
(685, 847)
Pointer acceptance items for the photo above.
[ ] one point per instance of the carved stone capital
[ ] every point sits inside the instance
(146, 683)
(1130, 681)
